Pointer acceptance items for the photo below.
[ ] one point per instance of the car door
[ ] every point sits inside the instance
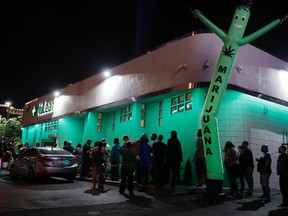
(26, 161)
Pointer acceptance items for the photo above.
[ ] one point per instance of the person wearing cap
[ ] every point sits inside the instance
(173, 157)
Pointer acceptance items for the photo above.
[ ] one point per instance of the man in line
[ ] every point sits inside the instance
(282, 171)
(248, 160)
(86, 160)
(173, 157)
(264, 168)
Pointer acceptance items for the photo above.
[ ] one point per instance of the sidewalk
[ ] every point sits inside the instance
(179, 190)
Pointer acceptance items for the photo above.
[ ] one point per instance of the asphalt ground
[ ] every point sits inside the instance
(184, 201)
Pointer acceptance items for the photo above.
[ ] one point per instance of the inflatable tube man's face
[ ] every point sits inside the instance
(239, 21)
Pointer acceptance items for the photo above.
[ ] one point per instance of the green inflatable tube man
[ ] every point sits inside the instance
(232, 41)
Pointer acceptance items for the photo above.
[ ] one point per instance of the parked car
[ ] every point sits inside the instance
(37, 162)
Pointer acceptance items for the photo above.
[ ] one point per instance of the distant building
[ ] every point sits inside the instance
(10, 111)
(164, 90)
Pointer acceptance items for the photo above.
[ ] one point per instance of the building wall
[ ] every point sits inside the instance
(241, 117)
(244, 117)
(177, 67)
(175, 64)
(70, 129)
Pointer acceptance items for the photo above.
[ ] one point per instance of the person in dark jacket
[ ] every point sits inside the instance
(86, 160)
(264, 168)
(173, 157)
(68, 147)
(144, 157)
(247, 157)
(158, 151)
(128, 168)
(282, 171)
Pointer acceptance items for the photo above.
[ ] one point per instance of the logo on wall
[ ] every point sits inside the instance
(43, 108)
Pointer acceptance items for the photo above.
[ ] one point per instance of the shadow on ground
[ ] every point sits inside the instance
(279, 212)
(95, 192)
(251, 206)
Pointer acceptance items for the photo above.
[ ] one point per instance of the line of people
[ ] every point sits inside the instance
(239, 164)
(155, 161)
(147, 163)
(159, 161)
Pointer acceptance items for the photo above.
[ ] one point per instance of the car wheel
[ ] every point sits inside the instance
(12, 172)
(30, 175)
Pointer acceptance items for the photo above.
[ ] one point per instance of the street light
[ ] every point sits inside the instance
(8, 105)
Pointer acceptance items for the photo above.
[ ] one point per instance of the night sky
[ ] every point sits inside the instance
(47, 48)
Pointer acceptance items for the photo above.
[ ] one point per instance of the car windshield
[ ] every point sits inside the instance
(54, 151)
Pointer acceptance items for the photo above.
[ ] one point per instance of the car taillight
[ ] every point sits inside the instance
(45, 161)
(74, 160)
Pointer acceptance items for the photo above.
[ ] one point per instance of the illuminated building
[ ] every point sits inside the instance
(164, 90)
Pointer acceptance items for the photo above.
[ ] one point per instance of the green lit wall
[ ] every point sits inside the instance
(244, 117)
(70, 129)
(241, 117)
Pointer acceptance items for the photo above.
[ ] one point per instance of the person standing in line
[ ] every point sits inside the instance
(106, 156)
(282, 171)
(128, 168)
(126, 139)
(153, 140)
(158, 151)
(199, 160)
(65, 143)
(264, 168)
(115, 158)
(173, 157)
(106, 146)
(86, 160)
(144, 158)
(231, 163)
(78, 153)
(98, 166)
(248, 163)
(241, 172)
(68, 147)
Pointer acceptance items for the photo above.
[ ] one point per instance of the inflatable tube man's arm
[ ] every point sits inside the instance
(198, 14)
(263, 30)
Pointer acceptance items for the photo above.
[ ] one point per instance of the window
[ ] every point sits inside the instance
(160, 113)
(181, 103)
(114, 121)
(51, 126)
(99, 122)
(126, 113)
(143, 115)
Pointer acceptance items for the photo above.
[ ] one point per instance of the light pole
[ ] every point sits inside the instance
(8, 105)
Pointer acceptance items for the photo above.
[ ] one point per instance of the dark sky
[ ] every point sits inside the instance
(46, 48)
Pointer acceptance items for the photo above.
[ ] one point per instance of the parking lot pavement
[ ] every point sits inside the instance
(231, 206)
